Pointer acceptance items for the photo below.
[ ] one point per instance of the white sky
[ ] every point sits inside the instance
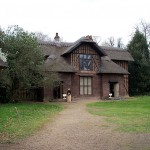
(73, 19)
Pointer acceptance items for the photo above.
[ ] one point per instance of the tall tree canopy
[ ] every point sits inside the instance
(144, 27)
(139, 82)
(24, 58)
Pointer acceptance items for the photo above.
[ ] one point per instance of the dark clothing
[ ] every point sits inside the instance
(69, 92)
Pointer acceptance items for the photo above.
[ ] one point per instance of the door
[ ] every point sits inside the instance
(58, 90)
(114, 89)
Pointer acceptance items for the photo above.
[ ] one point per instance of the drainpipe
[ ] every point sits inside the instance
(101, 86)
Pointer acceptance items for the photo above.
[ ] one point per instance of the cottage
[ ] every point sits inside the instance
(89, 70)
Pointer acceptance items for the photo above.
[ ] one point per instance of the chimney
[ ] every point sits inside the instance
(89, 37)
(57, 38)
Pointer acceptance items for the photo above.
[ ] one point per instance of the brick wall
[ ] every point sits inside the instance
(100, 85)
(76, 86)
(96, 86)
(66, 78)
(106, 78)
(48, 94)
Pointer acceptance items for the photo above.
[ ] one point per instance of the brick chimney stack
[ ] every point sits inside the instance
(89, 37)
(57, 38)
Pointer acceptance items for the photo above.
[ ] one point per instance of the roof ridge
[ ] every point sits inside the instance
(84, 40)
(58, 44)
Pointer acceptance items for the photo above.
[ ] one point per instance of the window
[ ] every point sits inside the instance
(85, 62)
(85, 85)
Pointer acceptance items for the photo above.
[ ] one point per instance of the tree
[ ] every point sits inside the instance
(1, 37)
(140, 69)
(96, 39)
(111, 42)
(42, 37)
(120, 43)
(24, 59)
(144, 28)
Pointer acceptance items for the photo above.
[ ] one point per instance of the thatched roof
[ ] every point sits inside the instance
(54, 61)
(2, 64)
(55, 53)
(108, 66)
(117, 53)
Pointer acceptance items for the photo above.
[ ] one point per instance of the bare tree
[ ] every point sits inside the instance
(96, 39)
(109, 42)
(42, 37)
(144, 27)
(112, 42)
(120, 43)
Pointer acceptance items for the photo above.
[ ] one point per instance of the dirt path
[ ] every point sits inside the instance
(76, 129)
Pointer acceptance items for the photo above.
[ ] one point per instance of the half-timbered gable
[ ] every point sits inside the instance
(85, 58)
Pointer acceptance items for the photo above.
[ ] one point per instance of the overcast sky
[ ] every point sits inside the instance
(73, 19)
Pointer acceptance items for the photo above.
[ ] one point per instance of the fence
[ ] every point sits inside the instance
(34, 94)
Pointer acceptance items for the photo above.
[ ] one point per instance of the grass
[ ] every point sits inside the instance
(129, 115)
(22, 119)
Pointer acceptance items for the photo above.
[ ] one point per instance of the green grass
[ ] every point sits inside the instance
(22, 119)
(129, 115)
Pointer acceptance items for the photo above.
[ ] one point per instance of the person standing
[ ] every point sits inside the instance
(69, 95)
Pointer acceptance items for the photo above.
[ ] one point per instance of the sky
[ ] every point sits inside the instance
(73, 19)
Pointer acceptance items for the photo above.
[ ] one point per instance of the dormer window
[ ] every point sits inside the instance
(86, 62)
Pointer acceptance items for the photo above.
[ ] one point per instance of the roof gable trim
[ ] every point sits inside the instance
(92, 43)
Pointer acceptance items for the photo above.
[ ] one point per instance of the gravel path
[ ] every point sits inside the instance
(76, 129)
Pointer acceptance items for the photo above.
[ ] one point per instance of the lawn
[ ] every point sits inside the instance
(129, 115)
(23, 119)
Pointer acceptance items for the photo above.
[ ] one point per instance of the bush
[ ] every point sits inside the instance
(3, 95)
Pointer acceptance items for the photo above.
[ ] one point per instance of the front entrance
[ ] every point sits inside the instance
(58, 90)
(114, 89)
